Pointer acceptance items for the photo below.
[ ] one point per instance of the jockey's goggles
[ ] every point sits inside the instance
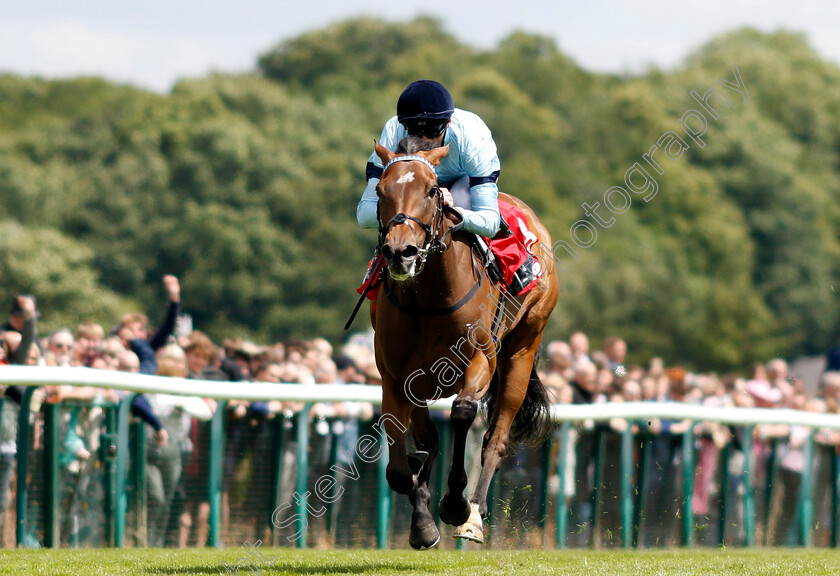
(429, 128)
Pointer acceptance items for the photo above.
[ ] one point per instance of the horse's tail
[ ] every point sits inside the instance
(532, 423)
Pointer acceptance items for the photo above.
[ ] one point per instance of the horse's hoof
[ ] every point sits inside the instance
(425, 537)
(453, 511)
(472, 529)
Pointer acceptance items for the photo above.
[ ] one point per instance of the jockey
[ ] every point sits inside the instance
(467, 175)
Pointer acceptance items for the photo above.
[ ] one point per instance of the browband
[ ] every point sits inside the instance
(409, 158)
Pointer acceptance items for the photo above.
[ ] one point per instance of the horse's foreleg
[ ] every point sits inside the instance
(396, 410)
(454, 509)
(424, 533)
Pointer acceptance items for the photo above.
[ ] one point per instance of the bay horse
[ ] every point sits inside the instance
(439, 331)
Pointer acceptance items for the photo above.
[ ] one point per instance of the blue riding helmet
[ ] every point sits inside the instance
(424, 108)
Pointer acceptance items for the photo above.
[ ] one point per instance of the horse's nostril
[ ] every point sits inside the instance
(409, 252)
(387, 252)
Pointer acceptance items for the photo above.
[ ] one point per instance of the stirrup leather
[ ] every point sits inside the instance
(494, 269)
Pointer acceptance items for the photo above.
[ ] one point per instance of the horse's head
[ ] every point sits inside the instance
(410, 209)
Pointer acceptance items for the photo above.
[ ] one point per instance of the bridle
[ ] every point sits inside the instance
(435, 244)
(435, 241)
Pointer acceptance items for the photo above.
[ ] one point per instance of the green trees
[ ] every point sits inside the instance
(245, 186)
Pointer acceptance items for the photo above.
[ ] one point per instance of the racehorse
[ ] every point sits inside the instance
(440, 330)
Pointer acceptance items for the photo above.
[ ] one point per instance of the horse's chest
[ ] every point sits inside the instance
(404, 352)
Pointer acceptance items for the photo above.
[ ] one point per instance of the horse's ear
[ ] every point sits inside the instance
(384, 154)
(435, 155)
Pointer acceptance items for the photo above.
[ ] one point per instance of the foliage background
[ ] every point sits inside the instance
(245, 186)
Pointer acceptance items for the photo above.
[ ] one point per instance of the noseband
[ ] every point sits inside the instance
(434, 240)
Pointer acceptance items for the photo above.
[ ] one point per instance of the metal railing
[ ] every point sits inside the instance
(634, 449)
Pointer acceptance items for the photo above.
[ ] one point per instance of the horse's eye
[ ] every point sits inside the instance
(378, 192)
(433, 190)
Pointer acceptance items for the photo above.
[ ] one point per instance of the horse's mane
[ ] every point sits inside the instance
(414, 144)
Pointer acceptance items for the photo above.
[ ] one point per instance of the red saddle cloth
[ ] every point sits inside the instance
(511, 252)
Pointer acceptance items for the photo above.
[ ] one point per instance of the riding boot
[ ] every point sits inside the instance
(524, 275)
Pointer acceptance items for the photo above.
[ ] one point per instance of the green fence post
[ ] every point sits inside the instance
(806, 505)
(109, 454)
(52, 449)
(302, 472)
(600, 456)
(834, 478)
(724, 494)
(23, 464)
(333, 460)
(278, 471)
(645, 440)
(749, 509)
(627, 486)
(688, 485)
(121, 505)
(562, 504)
(770, 476)
(214, 473)
(138, 480)
(383, 492)
(545, 465)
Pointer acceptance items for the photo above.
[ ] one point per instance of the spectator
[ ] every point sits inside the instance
(89, 336)
(109, 354)
(764, 437)
(203, 361)
(18, 348)
(583, 438)
(243, 358)
(560, 359)
(777, 375)
(830, 391)
(203, 358)
(826, 443)
(663, 494)
(60, 349)
(23, 310)
(711, 437)
(128, 361)
(649, 389)
(579, 344)
(789, 480)
(134, 333)
(164, 467)
(616, 350)
(832, 363)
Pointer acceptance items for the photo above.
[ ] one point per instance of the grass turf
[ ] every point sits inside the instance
(112, 562)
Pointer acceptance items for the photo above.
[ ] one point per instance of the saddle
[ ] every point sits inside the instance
(510, 252)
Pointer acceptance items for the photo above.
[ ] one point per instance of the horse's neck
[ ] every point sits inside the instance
(445, 278)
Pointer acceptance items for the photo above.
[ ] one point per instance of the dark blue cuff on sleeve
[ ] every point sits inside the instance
(373, 171)
(476, 180)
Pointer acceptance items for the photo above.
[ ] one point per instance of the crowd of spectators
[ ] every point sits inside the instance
(576, 375)
(176, 427)
(176, 430)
